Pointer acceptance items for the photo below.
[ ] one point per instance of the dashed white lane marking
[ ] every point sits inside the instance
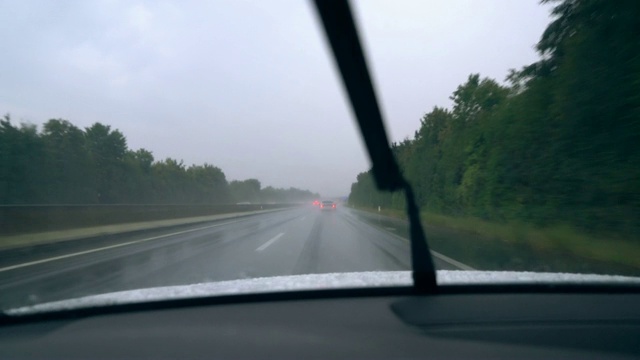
(110, 247)
(273, 239)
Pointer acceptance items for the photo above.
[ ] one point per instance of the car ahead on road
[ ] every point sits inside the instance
(327, 205)
(316, 203)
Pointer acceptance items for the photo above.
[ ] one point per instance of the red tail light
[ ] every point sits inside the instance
(334, 205)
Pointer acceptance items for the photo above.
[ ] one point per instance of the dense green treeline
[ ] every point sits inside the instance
(63, 164)
(559, 144)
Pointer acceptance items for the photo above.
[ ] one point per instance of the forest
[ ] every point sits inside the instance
(556, 143)
(64, 164)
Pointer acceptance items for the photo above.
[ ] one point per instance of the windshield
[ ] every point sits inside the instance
(157, 144)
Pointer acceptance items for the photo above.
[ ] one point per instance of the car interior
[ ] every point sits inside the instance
(426, 320)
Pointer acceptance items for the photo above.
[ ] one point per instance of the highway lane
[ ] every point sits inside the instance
(301, 240)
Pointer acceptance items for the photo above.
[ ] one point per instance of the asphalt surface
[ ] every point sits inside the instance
(302, 240)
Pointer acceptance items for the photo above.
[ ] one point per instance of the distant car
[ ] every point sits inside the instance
(327, 205)
(316, 203)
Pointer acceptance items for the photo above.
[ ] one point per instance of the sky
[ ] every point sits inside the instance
(250, 86)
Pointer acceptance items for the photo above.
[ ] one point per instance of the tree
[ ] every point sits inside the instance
(558, 146)
(169, 181)
(209, 185)
(246, 190)
(68, 164)
(22, 159)
(107, 149)
(137, 182)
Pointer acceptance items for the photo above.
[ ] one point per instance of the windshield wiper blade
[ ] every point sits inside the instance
(340, 28)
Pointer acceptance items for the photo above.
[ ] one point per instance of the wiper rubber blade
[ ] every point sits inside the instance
(340, 28)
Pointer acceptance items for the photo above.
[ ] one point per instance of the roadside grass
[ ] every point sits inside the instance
(563, 240)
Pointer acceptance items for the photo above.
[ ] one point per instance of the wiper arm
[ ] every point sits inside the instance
(341, 32)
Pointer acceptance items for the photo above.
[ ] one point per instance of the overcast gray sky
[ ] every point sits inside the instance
(249, 86)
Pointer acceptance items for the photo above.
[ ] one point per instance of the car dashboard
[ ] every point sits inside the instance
(457, 322)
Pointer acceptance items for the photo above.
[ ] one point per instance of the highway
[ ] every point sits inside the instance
(302, 240)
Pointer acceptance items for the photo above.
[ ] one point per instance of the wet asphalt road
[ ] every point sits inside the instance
(301, 240)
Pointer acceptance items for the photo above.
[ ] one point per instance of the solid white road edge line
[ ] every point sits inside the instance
(273, 239)
(111, 247)
(451, 261)
(437, 254)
